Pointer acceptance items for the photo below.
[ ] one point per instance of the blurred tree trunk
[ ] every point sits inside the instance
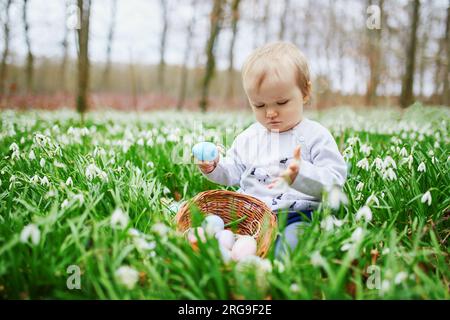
(423, 43)
(256, 22)
(216, 20)
(83, 57)
(107, 71)
(65, 51)
(446, 92)
(234, 23)
(374, 57)
(187, 53)
(283, 19)
(162, 63)
(3, 66)
(29, 64)
(406, 97)
(133, 80)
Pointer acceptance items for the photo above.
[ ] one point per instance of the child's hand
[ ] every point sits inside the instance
(204, 153)
(291, 172)
(208, 166)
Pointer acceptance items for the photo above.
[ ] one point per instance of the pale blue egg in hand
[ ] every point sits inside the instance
(205, 151)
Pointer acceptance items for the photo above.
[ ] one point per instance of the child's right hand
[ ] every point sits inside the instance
(204, 153)
(208, 166)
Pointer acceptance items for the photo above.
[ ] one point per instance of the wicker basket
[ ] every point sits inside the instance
(230, 206)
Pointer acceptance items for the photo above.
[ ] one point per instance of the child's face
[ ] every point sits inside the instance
(278, 104)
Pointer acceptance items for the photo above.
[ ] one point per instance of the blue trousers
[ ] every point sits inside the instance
(289, 239)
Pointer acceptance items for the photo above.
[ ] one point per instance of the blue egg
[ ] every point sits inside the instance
(205, 151)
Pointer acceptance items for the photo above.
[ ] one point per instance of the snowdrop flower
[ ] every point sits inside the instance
(400, 277)
(252, 262)
(426, 197)
(173, 138)
(119, 219)
(142, 244)
(352, 140)
(360, 186)
(44, 181)
(79, 197)
(294, 288)
(347, 246)
(69, 182)
(50, 194)
(150, 164)
(410, 160)
(161, 229)
(330, 222)
(14, 147)
(32, 232)
(35, 179)
(65, 204)
(58, 164)
(421, 167)
(365, 213)
(378, 163)
(93, 171)
(41, 140)
(317, 259)
(149, 142)
(385, 285)
(357, 235)
(84, 131)
(42, 162)
(366, 149)
(31, 155)
(403, 152)
(160, 140)
(134, 232)
(12, 181)
(16, 152)
(363, 164)
(371, 199)
(348, 154)
(336, 197)
(127, 276)
(166, 191)
(388, 161)
(389, 174)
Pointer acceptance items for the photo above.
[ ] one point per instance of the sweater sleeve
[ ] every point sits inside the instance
(327, 167)
(229, 168)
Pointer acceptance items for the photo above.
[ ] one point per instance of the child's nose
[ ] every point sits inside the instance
(271, 113)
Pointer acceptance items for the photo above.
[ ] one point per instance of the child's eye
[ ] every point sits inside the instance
(260, 106)
(283, 102)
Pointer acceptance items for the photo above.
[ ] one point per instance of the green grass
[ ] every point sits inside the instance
(139, 170)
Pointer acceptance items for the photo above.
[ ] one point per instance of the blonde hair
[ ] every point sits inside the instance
(273, 56)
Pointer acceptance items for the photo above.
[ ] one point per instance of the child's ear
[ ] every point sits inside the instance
(307, 96)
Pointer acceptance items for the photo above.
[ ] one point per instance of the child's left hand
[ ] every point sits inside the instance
(291, 172)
